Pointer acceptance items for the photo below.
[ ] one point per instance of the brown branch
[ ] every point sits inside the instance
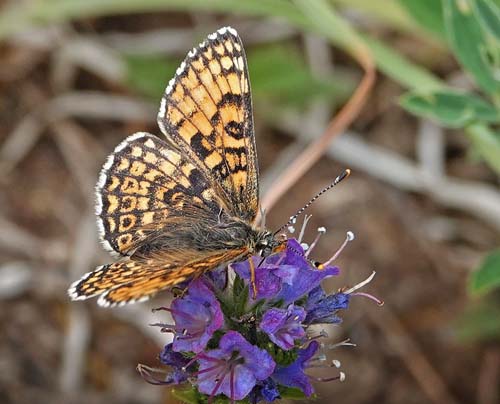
(338, 124)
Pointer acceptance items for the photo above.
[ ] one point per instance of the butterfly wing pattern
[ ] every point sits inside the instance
(173, 209)
(207, 112)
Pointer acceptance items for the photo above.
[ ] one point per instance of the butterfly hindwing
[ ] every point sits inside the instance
(207, 112)
(144, 184)
(132, 280)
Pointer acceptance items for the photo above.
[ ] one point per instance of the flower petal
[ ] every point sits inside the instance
(294, 375)
(197, 316)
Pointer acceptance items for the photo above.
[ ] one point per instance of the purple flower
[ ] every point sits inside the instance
(267, 282)
(322, 308)
(177, 361)
(287, 275)
(294, 375)
(266, 390)
(269, 390)
(234, 368)
(284, 326)
(217, 278)
(197, 316)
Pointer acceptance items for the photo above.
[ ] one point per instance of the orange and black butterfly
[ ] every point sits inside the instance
(172, 209)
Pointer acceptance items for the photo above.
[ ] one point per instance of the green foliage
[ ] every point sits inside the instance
(472, 28)
(281, 357)
(486, 142)
(427, 13)
(487, 277)
(480, 319)
(489, 14)
(148, 74)
(191, 395)
(187, 395)
(279, 72)
(450, 108)
(293, 393)
(477, 51)
(479, 322)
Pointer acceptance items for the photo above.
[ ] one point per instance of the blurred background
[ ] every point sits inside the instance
(78, 76)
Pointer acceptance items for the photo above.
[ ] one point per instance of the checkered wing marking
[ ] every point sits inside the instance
(207, 112)
(132, 281)
(143, 185)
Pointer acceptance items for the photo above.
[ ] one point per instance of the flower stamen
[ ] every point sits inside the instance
(321, 231)
(349, 237)
(217, 386)
(340, 377)
(303, 228)
(369, 296)
(322, 334)
(147, 373)
(346, 342)
(360, 284)
(164, 327)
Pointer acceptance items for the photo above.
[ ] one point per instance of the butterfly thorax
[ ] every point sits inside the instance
(226, 233)
(265, 243)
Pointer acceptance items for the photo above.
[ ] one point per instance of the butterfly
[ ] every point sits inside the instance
(172, 209)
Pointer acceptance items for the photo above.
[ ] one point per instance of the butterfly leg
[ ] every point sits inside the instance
(252, 277)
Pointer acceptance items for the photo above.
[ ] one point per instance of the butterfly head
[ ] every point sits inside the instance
(268, 243)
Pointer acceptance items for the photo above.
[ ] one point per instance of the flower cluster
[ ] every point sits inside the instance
(231, 345)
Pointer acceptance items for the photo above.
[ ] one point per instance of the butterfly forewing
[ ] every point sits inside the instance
(207, 112)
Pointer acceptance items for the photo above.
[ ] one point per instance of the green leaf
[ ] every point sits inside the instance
(479, 322)
(292, 393)
(486, 143)
(489, 14)
(279, 73)
(148, 75)
(477, 53)
(450, 108)
(400, 69)
(187, 395)
(487, 277)
(428, 13)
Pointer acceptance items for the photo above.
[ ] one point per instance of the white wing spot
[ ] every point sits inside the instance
(98, 203)
(128, 140)
(109, 162)
(180, 69)
(232, 31)
(149, 143)
(72, 290)
(100, 227)
(102, 300)
(163, 107)
(162, 126)
(102, 180)
(169, 88)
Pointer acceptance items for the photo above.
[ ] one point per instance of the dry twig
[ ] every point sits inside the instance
(339, 123)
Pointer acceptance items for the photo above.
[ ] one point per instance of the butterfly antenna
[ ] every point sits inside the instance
(293, 218)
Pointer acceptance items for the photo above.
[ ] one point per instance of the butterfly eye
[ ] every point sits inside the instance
(266, 251)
